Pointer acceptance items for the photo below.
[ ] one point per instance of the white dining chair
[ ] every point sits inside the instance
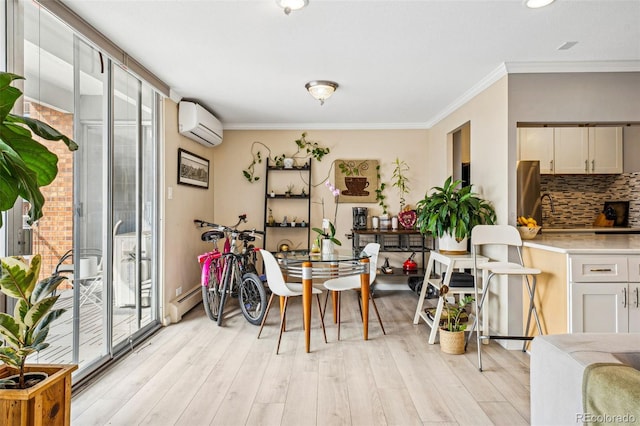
(352, 282)
(279, 287)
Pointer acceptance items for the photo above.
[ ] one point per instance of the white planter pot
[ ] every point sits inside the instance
(327, 246)
(448, 244)
(288, 163)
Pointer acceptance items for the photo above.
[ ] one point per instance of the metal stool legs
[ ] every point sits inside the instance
(532, 310)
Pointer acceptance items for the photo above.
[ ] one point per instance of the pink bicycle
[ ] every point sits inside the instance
(231, 272)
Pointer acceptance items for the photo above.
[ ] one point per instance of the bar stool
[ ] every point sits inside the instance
(508, 236)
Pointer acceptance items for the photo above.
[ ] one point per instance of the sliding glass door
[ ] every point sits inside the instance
(100, 217)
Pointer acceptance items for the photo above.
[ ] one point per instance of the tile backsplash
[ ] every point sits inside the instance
(578, 199)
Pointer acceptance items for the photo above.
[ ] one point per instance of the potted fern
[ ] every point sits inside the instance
(26, 165)
(449, 214)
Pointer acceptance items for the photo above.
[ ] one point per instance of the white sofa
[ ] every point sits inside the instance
(556, 369)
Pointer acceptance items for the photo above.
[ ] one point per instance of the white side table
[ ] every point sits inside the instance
(451, 262)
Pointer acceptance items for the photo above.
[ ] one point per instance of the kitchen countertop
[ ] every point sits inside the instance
(591, 230)
(586, 243)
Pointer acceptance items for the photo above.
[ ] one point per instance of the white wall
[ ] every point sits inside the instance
(181, 239)
(235, 195)
(491, 155)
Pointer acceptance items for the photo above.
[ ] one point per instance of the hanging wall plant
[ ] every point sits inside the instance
(305, 149)
(380, 197)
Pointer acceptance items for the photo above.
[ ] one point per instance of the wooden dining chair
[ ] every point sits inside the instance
(279, 287)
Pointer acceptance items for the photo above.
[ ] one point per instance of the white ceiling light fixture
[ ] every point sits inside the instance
(535, 4)
(321, 89)
(290, 5)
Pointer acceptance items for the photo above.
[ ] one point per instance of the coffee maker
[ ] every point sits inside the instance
(359, 218)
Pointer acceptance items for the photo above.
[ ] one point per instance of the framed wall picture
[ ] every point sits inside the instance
(193, 170)
(357, 180)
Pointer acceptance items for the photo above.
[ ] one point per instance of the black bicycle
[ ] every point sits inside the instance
(232, 272)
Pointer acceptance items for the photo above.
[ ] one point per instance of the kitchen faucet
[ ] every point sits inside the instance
(547, 195)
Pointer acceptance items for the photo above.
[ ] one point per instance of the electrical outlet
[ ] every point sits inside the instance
(178, 291)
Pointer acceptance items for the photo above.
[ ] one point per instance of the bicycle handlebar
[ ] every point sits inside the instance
(243, 218)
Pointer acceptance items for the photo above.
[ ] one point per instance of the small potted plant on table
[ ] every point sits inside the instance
(327, 237)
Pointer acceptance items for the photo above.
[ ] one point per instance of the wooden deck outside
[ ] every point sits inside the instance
(92, 330)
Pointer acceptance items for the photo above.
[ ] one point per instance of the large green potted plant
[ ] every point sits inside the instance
(450, 212)
(26, 165)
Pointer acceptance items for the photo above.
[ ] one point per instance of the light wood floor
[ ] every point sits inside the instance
(196, 373)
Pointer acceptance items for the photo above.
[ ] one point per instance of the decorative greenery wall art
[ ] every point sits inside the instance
(193, 170)
(357, 180)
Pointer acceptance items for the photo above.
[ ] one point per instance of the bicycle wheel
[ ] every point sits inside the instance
(253, 298)
(211, 293)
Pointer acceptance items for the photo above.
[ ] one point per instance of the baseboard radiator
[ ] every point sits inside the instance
(184, 303)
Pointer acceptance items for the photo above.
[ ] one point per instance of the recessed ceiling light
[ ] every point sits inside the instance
(535, 4)
(567, 45)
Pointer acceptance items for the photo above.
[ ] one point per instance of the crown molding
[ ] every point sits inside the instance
(576, 66)
(478, 88)
(326, 126)
(533, 67)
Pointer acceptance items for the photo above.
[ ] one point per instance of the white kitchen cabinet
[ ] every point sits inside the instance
(599, 308)
(605, 150)
(572, 150)
(604, 292)
(536, 143)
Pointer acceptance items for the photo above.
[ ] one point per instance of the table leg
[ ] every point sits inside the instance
(307, 292)
(364, 292)
(334, 294)
(423, 291)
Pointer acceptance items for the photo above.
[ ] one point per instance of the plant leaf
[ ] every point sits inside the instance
(43, 130)
(39, 310)
(10, 356)
(46, 287)
(39, 334)
(10, 330)
(8, 94)
(18, 279)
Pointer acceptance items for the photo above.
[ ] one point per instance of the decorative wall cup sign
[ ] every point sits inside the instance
(356, 180)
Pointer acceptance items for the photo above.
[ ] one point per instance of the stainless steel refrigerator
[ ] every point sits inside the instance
(529, 203)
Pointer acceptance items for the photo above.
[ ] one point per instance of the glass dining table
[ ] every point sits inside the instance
(321, 266)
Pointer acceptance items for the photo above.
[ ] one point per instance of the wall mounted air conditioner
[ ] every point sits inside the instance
(198, 124)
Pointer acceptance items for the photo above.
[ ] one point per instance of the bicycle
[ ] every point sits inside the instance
(231, 272)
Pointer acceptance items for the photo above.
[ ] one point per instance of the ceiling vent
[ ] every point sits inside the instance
(198, 124)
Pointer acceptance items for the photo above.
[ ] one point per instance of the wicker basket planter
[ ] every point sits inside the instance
(451, 342)
(47, 403)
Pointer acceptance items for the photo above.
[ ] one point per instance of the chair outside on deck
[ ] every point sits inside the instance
(87, 274)
(506, 236)
(352, 282)
(279, 287)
